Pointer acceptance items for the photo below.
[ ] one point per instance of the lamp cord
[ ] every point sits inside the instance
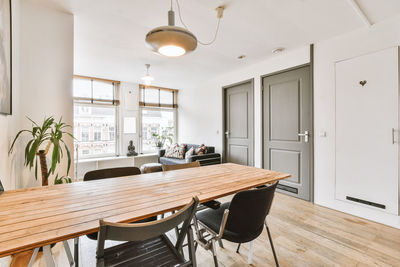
(184, 25)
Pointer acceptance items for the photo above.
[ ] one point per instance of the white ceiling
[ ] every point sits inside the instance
(109, 34)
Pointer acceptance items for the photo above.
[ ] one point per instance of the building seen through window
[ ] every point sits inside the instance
(94, 118)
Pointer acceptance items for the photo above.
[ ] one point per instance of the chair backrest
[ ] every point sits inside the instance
(111, 173)
(147, 230)
(248, 209)
(181, 166)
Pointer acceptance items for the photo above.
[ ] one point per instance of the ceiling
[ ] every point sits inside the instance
(109, 34)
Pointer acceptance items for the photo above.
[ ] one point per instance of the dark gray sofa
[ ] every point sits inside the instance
(209, 158)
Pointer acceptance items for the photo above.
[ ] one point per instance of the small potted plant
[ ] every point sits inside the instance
(160, 139)
(44, 137)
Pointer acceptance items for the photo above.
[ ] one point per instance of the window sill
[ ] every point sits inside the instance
(101, 159)
(152, 154)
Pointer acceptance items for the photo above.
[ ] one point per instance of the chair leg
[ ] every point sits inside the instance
(249, 257)
(220, 243)
(237, 250)
(272, 245)
(33, 258)
(76, 251)
(48, 256)
(68, 252)
(191, 249)
(214, 252)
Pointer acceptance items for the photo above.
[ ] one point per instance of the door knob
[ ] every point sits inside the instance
(227, 133)
(306, 134)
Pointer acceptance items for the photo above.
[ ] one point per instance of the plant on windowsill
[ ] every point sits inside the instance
(48, 135)
(160, 139)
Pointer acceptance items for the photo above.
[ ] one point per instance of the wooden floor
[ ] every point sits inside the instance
(304, 235)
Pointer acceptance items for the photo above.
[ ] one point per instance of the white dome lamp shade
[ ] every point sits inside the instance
(171, 41)
(147, 79)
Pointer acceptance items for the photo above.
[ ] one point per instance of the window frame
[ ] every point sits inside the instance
(91, 102)
(175, 116)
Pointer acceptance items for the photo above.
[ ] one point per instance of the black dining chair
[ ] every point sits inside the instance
(105, 174)
(111, 173)
(240, 221)
(147, 243)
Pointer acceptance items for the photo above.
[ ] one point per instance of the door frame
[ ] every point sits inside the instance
(224, 88)
(310, 64)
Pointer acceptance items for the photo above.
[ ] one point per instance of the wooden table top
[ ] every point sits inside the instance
(39, 216)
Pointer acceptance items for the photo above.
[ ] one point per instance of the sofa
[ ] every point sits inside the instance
(209, 158)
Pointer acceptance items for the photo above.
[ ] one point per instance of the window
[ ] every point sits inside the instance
(97, 134)
(111, 133)
(95, 111)
(158, 116)
(85, 134)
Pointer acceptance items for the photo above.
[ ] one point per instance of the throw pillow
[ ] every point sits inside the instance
(189, 153)
(200, 150)
(175, 151)
(169, 151)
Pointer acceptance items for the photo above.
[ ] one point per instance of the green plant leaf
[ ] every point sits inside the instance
(68, 156)
(15, 139)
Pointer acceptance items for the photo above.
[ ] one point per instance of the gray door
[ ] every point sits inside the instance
(287, 122)
(239, 123)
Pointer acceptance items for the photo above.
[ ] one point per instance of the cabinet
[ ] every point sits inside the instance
(367, 127)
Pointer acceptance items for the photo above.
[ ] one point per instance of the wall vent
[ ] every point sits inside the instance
(288, 188)
(366, 202)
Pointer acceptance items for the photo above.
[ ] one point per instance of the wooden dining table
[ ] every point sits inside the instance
(36, 217)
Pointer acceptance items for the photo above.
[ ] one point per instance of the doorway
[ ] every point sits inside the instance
(287, 129)
(239, 123)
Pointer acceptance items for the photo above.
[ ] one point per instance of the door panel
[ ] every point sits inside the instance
(239, 123)
(284, 100)
(239, 154)
(238, 107)
(287, 112)
(287, 161)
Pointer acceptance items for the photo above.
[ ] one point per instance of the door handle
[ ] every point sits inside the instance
(227, 133)
(306, 135)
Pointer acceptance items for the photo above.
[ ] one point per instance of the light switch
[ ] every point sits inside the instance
(322, 134)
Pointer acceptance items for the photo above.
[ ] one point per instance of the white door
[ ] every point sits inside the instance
(367, 128)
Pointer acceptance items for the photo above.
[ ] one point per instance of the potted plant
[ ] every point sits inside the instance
(160, 139)
(44, 137)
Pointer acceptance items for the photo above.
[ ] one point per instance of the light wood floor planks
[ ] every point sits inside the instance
(304, 235)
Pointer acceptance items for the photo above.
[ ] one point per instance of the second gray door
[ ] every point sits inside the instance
(287, 119)
(239, 123)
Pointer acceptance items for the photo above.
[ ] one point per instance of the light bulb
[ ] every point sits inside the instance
(171, 51)
(147, 79)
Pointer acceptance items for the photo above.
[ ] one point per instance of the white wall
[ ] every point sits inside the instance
(200, 107)
(42, 81)
(129, 107)
(380, 36)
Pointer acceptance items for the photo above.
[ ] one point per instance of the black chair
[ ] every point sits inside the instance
(111, 173)
(147, 243)
(104, 174)
(247, 216)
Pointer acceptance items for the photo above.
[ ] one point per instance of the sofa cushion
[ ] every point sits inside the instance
(189, 153)
(171, 161)
(200, 150)
(176, 151)
(210, 149)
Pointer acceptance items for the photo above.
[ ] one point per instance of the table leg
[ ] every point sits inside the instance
(33, 258)
(48, 256)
